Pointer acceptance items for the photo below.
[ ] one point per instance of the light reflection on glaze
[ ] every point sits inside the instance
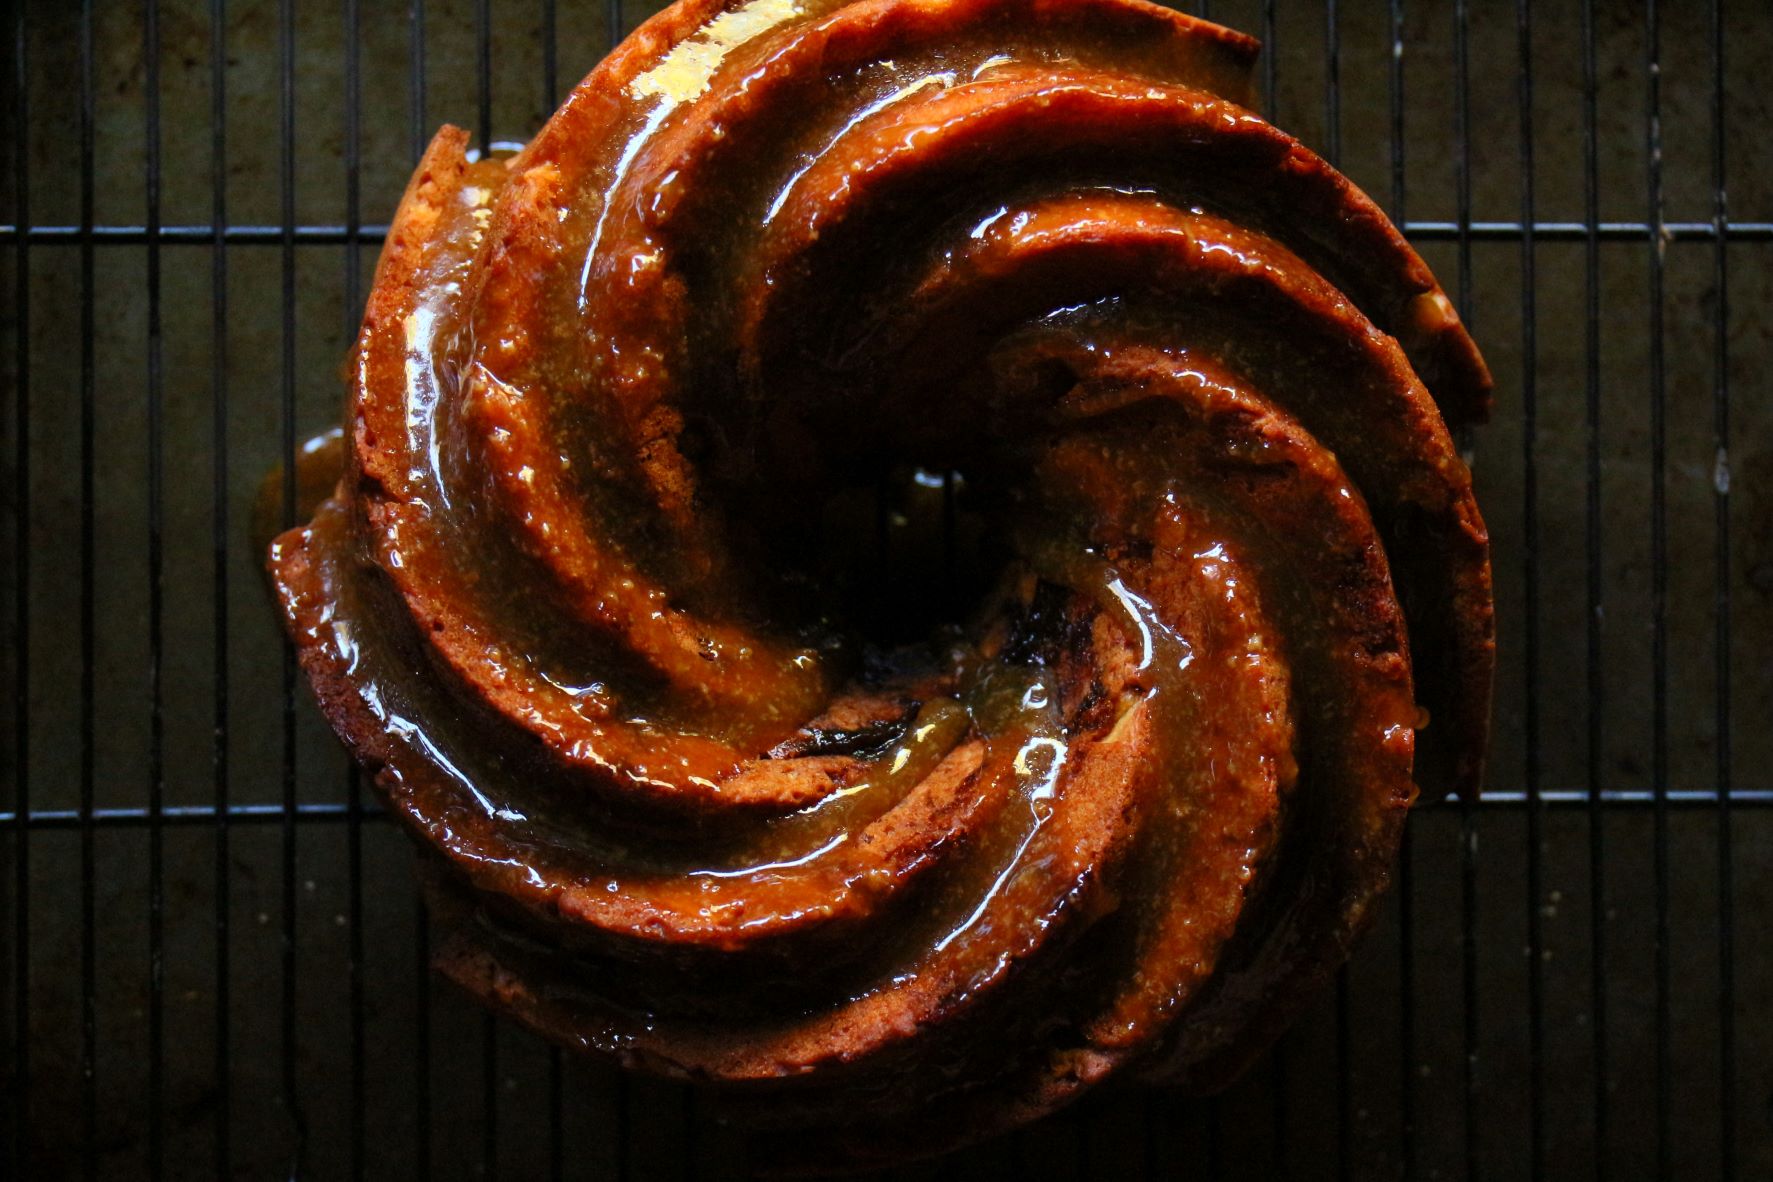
(415, 735)
(654, 120)
(1164, 654)
(836, 840)
(943, 79)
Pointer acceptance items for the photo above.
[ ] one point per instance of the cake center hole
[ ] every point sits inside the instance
(906, 553)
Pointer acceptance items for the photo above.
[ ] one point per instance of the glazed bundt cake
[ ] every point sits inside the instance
(700, 784)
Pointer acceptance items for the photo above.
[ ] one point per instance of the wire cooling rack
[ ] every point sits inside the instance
(215, 960)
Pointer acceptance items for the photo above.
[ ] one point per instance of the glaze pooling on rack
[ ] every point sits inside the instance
(1126, 810)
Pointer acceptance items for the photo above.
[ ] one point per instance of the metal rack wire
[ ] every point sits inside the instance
(216, 963)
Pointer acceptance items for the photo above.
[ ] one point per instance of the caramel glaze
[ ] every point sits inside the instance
(1135, 807)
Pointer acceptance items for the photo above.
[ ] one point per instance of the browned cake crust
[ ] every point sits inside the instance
(568, 601)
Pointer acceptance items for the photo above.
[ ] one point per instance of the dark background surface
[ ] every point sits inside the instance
(1514, 1007)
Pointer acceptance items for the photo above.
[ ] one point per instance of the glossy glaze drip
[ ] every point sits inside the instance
(589, 601)
(319, 463)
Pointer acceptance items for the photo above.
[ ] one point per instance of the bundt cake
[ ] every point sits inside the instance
(700, 783)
